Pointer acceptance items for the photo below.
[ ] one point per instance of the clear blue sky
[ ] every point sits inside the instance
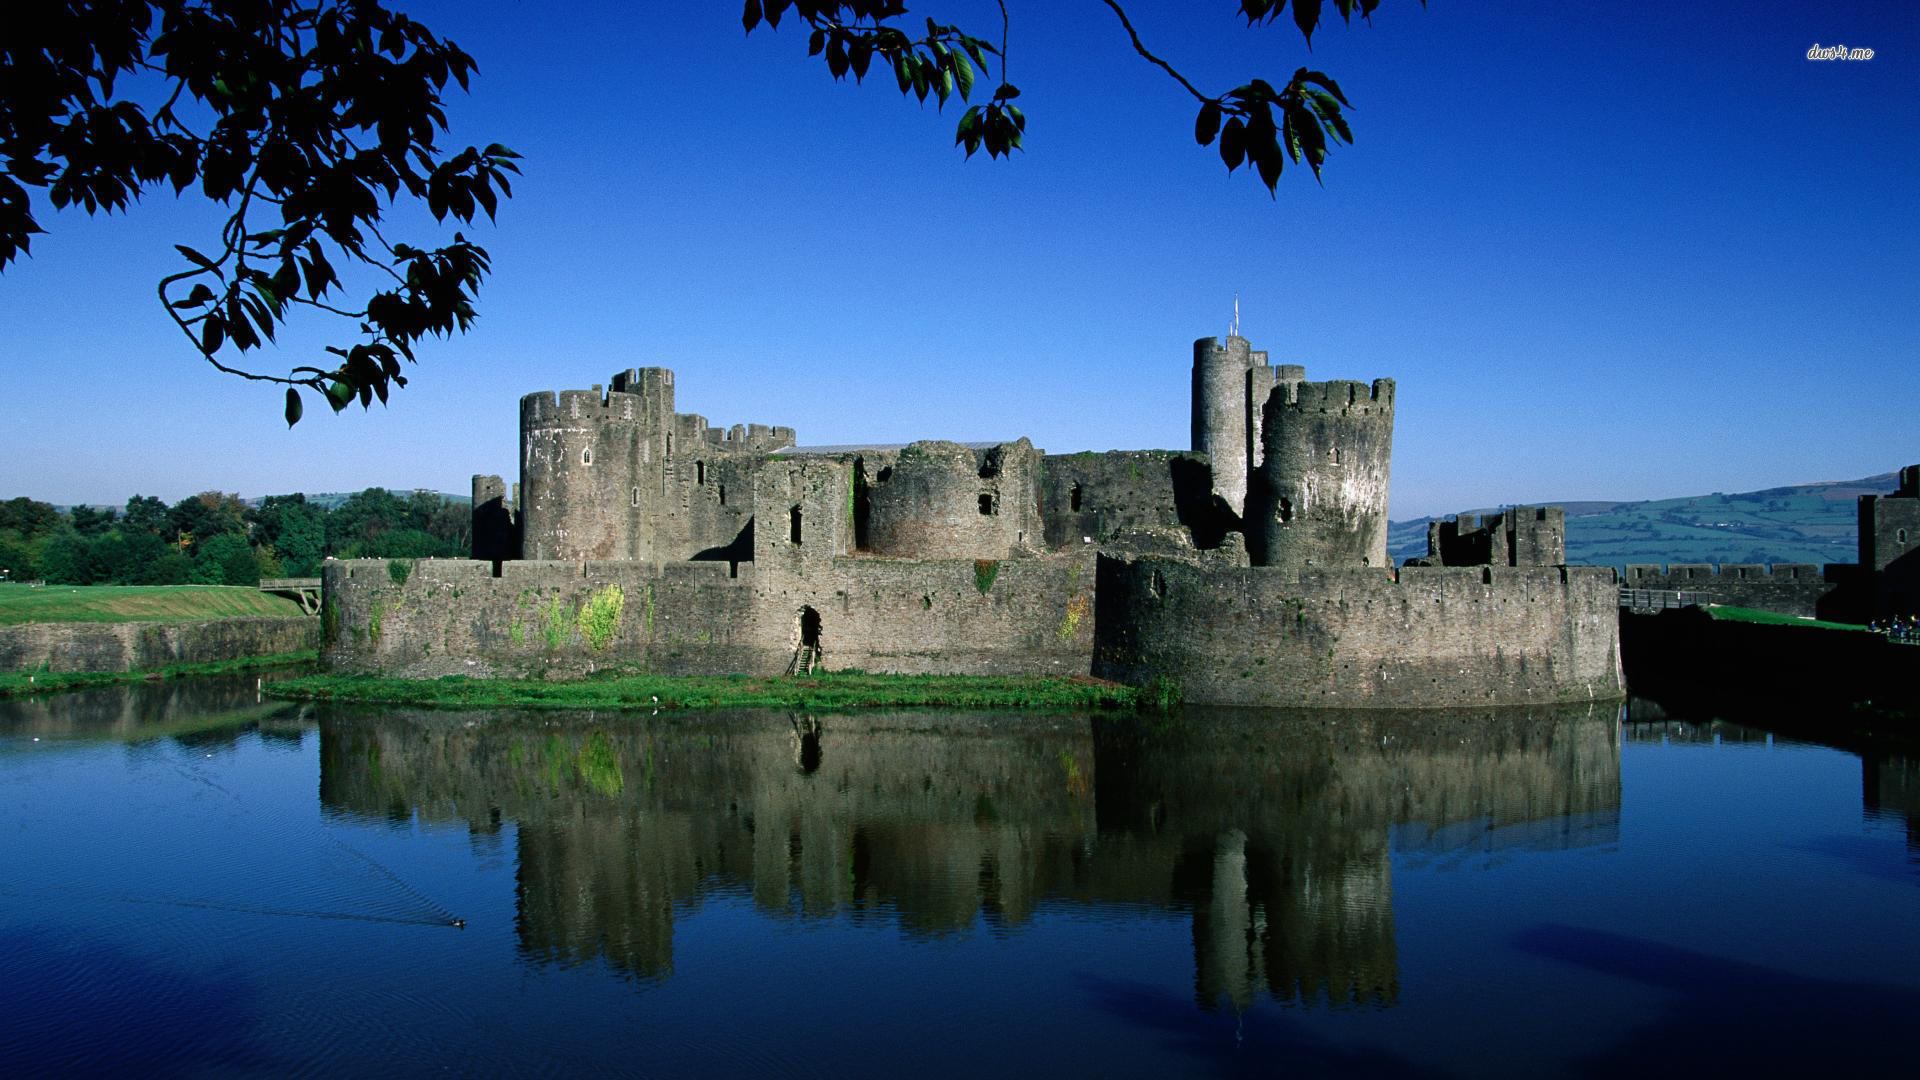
(1609, 251)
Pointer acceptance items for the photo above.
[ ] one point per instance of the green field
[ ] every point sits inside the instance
(135, 603)
(1774, 618)
(1809, 523)
(835, 690)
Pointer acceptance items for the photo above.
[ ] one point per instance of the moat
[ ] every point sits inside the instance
(199, 881)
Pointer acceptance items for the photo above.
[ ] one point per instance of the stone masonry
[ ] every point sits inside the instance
(1249, 569)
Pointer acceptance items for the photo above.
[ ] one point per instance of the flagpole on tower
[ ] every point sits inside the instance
(1234, 329)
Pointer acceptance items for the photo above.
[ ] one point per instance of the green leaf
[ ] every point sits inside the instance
(963, 76)
(1207, 125)
(294, 407)
(1319, 78)
(194, 257)
(1328, 109)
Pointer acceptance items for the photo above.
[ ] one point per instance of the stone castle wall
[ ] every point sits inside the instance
(1091, 498)
(1517, 536)
(140, 646)
(942, 500)
(453, 617)
(617, 474)
(1439, 636)
(1890, 546)
(553, 619)
(653, 541)
(1833, 591)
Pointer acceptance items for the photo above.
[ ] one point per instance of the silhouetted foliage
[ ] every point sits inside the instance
(1255, 123)
(321, 111)
(324, 113)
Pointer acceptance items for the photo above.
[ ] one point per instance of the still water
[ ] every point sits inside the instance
(196, 882)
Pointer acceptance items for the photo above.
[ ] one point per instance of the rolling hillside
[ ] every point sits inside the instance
(1806, 523)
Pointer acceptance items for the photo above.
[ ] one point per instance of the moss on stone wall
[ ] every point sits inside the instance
(559, 623)
(984, 571)
(400, 570)
(1077, 609)
(600, 617)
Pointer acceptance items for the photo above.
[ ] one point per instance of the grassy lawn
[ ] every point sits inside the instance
(1750, 615)
(838, 690)
(135, 603)
(18, 683)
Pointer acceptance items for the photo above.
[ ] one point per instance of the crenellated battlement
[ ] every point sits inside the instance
(582, 406)
(1650, 574)
(740, 438)
(1334, 396)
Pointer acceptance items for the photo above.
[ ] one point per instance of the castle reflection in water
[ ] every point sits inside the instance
(1273, 835)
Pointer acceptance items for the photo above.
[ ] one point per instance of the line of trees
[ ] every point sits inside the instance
(214, 538)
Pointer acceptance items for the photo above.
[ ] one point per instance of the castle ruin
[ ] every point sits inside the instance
(1250, 569)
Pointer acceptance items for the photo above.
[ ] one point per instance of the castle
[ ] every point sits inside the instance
(1250, 570)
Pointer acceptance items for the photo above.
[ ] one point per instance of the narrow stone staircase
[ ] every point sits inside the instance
(804, 659)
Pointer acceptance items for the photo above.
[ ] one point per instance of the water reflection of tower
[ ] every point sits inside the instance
(1890, 784)
(1290, 889)
(1275, 835)
(1285, 830)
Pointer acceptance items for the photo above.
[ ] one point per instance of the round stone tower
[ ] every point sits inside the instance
(1220, 414)
(1328, 447)
(592, 468)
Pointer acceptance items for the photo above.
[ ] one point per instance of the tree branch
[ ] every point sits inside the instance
(1141, 48)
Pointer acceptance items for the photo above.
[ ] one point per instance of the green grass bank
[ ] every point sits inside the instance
(836, 690)
(18, 683)
(136, 603)
(1723, 613)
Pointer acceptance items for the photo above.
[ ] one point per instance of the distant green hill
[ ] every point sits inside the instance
(1806, 523)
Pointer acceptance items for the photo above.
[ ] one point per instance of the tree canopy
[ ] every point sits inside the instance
(310, 119)
(216, 538)
(305, 118)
